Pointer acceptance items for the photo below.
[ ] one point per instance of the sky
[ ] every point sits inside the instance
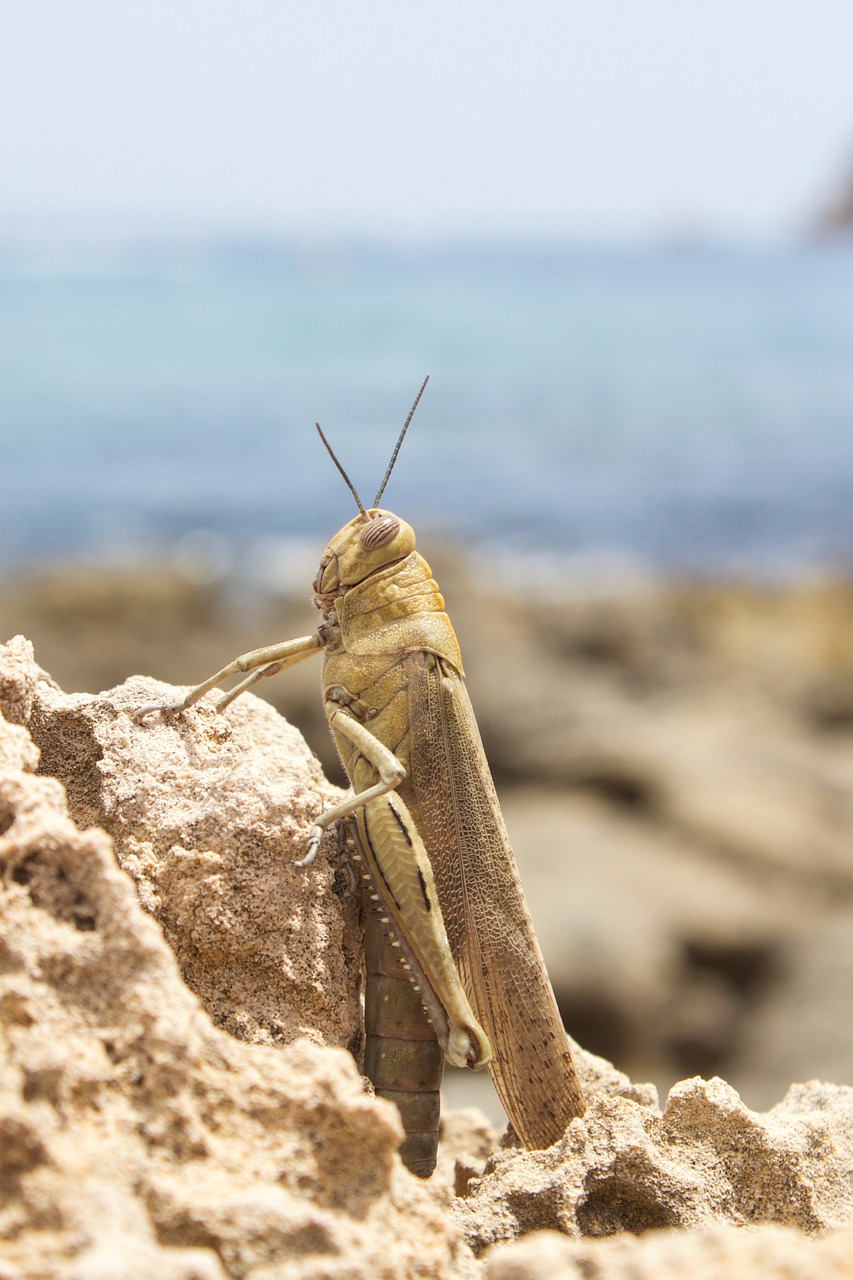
(393, 118)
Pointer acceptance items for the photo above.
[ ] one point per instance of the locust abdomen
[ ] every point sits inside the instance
(402, 1055)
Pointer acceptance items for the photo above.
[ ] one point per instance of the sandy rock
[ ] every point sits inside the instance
(707, 1159)
(136, 1139)
(208, 815)
(467, 1139)
(713, 1253)
(469, 1135)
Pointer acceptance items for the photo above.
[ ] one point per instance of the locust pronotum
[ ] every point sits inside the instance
(446, 911)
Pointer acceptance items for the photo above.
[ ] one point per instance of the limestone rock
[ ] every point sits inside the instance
(711, 1253)
(706, 1159)
(137, 1139)
(208, 815)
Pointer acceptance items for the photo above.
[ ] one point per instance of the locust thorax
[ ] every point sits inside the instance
(368, 543)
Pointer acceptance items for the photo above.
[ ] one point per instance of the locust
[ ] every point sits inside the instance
(454, 970)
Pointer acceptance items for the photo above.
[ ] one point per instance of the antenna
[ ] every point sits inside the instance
(396, 446)
(349, 482)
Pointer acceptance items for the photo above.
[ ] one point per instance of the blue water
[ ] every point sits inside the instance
(691, 408)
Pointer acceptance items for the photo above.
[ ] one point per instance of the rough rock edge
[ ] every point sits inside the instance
(706, 1159)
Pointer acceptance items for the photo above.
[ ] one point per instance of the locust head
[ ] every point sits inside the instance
(372, 539)
(369, 542)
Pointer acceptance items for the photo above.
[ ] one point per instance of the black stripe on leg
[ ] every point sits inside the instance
(401, 824)
(378, 866)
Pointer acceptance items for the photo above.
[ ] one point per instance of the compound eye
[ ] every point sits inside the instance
(318, 580)
(379, 532)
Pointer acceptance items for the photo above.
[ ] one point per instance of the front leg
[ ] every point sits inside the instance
(261, 662)
(391, 774)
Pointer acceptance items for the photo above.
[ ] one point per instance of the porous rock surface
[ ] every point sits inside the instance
(711, 1253)
(706, 1159)
(172, 1102)
(208, 815)
(137, 1139)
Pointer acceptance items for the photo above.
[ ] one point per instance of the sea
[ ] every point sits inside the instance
(685, 407)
